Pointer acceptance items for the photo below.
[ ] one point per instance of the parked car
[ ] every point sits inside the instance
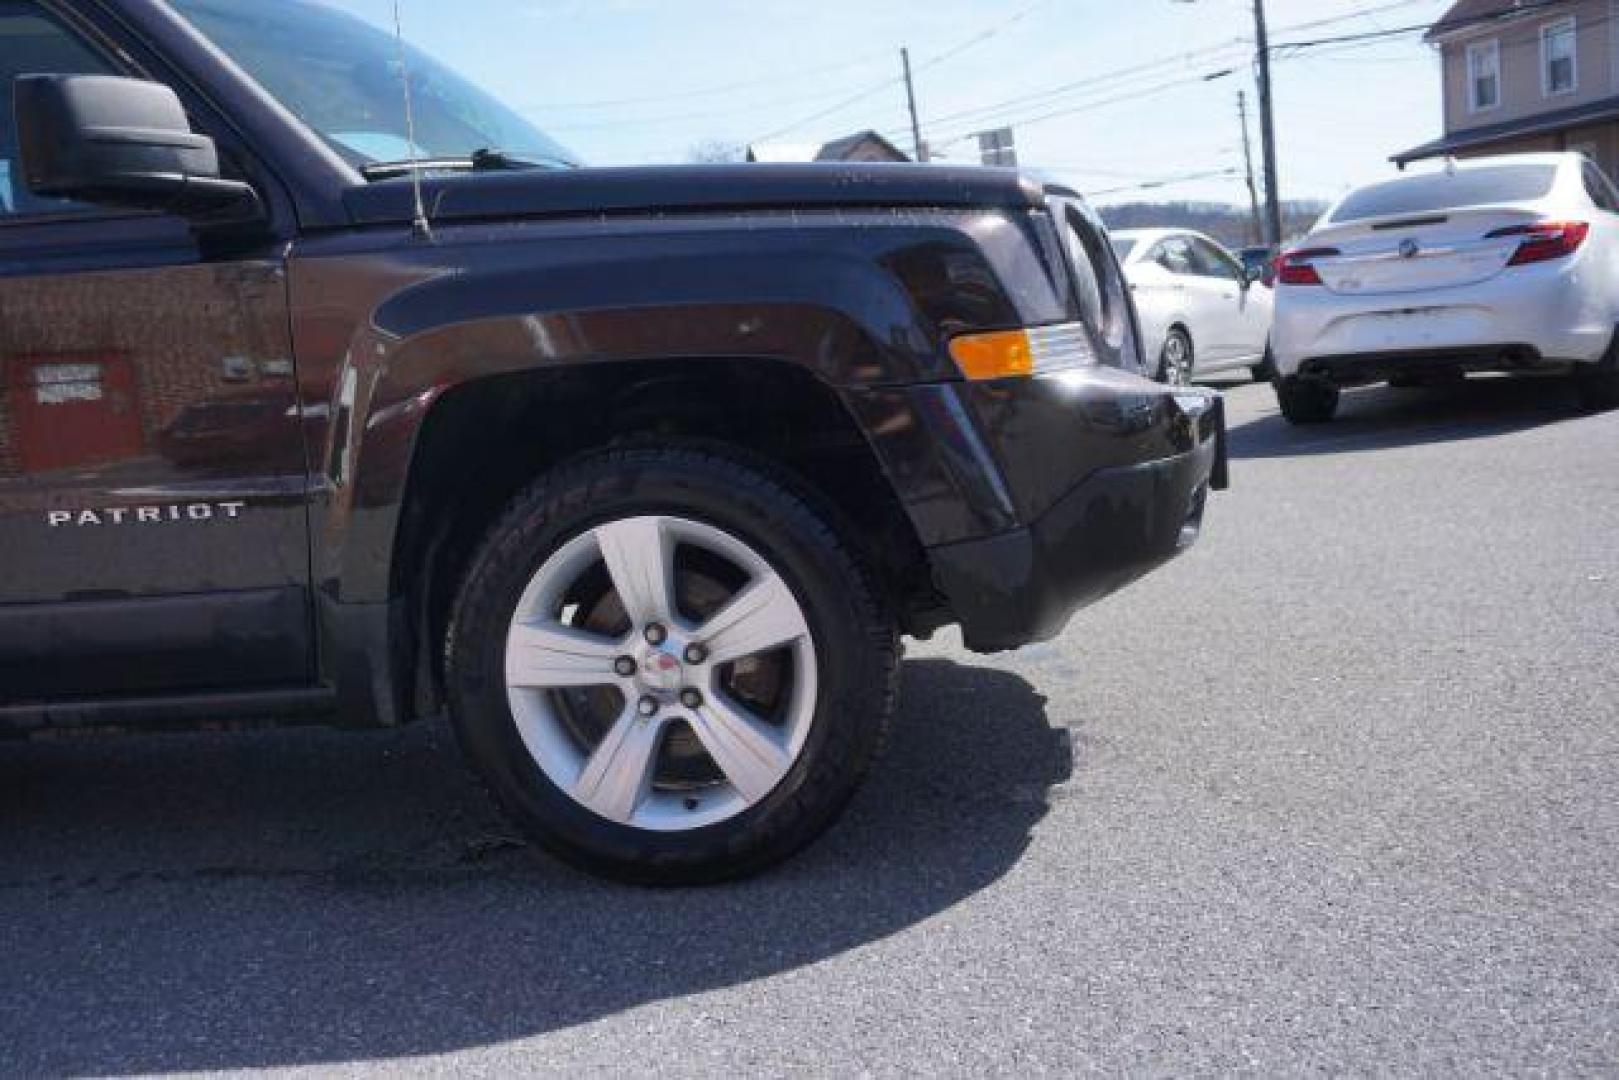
(1201, 311)
(640, 474)
(1501, 264)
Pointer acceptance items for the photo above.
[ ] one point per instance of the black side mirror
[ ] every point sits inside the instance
(123, 142)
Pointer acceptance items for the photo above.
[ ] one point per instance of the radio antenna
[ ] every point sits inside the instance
(420, 225)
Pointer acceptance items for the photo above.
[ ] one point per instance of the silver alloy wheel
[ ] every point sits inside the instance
(669, 671)
(1177, 360)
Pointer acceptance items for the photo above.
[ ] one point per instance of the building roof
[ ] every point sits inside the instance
(842, 149)
(1591, 112)
(869, 145)
(1466, 13)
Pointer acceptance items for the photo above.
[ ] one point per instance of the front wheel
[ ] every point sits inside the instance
(668, 667)
(1175, 362)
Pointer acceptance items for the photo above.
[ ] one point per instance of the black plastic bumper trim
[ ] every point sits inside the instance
(1366, 368)
(1023, 586)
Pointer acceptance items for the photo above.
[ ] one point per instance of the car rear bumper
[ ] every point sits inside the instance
(1525, 315)
(1364, 369)
(1117, 524)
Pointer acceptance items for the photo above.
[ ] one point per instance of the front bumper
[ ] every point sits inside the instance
(1120, 522)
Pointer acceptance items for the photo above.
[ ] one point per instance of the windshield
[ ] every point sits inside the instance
(340, 76)
(1122, 246)
(1450, 191)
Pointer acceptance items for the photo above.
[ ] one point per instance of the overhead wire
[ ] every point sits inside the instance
(897, 80)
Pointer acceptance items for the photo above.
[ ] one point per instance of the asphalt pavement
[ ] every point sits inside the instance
(1335, 792)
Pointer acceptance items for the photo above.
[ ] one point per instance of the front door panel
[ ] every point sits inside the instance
(151, 461)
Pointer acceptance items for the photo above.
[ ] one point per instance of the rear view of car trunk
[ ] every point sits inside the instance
(1435, 251)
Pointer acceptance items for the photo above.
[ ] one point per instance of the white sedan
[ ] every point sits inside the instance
(1503, 264)
(1200, 311)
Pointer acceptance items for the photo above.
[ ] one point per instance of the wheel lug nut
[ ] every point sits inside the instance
(691, 699)
(648, 706)
(656, 634)
(625, 666)
(696, 654)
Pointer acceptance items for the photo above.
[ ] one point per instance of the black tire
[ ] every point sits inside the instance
(1599, 384)
(1306, 401)
(1175, 368)
(855, 641)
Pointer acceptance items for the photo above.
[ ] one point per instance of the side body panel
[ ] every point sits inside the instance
(152, 472)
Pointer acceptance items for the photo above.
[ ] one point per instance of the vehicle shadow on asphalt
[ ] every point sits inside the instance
(289, 898)
(1381, 418)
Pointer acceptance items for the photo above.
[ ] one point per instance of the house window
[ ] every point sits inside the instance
(1483, 75)
(1558, 71)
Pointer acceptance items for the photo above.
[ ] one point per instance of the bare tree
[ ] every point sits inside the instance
(716, 152)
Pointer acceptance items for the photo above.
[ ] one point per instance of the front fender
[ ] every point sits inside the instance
(1158, 309)
(385, 325)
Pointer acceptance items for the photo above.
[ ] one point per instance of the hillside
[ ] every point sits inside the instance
(1231, 225)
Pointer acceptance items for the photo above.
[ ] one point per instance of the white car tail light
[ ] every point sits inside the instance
(1544, 241)
(1297, 267)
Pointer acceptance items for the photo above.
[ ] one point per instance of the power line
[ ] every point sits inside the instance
(1165, 181)
(949, 54)
(1040, 97)
(964, 132)
(640, 121)
(1500, 16)
(984, 114)
(839, 107)
(864, 60)
(1007, 112)
(997, 113)
(999, 28)
(1359, 13)
(1329, 49)
(993, 112)
(1086, 169)
(1090, 106)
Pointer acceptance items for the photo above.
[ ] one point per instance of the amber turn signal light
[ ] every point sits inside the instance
(1000, 355)
(1010, 354)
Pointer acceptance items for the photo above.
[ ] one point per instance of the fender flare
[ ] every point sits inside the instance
(448, 330)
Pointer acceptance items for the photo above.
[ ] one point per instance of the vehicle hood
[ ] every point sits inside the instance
(691, 189)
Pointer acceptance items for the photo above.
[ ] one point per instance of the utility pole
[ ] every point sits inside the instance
(1267, 130)
(1257, 230)
(910, 98)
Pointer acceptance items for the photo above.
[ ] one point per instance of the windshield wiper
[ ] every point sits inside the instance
(485, 160)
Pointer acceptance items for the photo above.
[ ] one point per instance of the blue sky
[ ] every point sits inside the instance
(636, 81)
